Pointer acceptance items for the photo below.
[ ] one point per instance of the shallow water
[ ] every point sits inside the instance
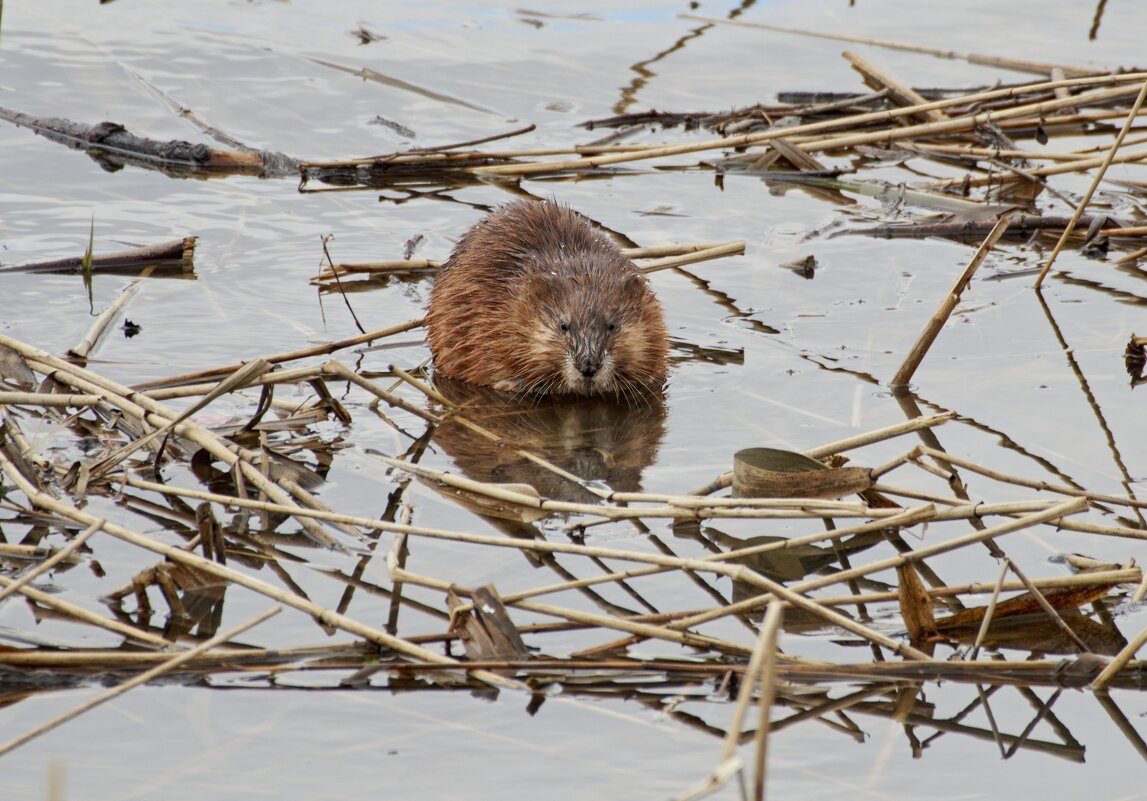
(1037, 399)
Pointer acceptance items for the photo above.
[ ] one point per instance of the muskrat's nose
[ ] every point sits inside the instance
(589, 371)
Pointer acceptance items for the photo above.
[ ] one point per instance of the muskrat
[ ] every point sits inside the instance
(534, 301)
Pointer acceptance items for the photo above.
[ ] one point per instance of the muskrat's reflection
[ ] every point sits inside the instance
(601, 440)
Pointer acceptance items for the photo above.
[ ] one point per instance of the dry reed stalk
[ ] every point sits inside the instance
(941, 315)
(1133, 231)
(1060, 489)
(901, 93)
(1127, 575)
(728, 763)
(148, 411)
(879, 435)
(653, 251)
(729, 249)
(909, 516)
(339, 370)
(798, 507)
(1141, 590)
(81, 614)
(1125, 532)
(319, 613)
(955, 125)
(283, 376)
(1081, 165)
(48, 400)
(961, 124)
(434, 159)
(998, 153)
(805, 508)
(109, 660)
(1053, 513)
(142, 678)
(181, 250)
(686, 638)
(85, 345)
(1047, 607)
(333, 271)
(52, 561)
(695, 502)
(884, 516)
(794, 598)
(290, 356)
(1042, 155)
(30, 553)
(676, 249)
(1120, 661)
(1026, 673)
(988, 614)
(1119, 576)
(427, 390)
(1039, 68)
(250, 371)
(1107, 161)
(629, 625)
(767, 681)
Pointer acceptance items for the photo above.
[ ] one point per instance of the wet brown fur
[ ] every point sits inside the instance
(498, 307)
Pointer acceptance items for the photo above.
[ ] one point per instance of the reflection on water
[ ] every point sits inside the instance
(601, 441)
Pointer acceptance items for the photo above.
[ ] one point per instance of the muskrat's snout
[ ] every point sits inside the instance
(587, 346)
(587, 365)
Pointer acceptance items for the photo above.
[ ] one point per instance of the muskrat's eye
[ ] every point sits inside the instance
(611, 327)
(564, 326)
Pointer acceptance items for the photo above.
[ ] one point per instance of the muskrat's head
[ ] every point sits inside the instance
(595, 331)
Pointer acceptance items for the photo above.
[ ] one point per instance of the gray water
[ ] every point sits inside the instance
(260, 71)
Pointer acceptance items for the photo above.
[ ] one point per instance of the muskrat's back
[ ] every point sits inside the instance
(534, 300)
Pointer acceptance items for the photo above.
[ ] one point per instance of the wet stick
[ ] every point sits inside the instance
(932, 329)
(1131, 116)
(167, 255)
